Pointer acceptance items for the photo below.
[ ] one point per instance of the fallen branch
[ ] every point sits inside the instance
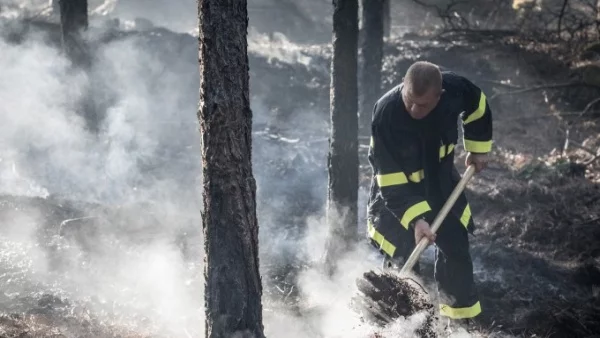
(589, 106)
(584, 148)
(545, 115)
(548, 86)
(592, 160)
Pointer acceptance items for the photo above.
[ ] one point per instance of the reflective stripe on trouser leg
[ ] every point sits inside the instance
(390, 236)
(454, 271)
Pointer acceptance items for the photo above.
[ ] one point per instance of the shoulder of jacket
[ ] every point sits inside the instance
(386, 104)
(456, 85)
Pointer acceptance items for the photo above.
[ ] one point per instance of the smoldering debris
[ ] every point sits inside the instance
(385, 297)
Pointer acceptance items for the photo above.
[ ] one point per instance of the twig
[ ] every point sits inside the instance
(501, 84)
(586, 222)
(589, 106)
(582, 147)
(289, 293)
(566, 146)
(548, 86)
(592, 160)
(561, 15)
(422, 288)
(538, 116)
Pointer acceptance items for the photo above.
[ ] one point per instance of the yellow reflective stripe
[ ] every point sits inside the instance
(466, 216)
(477, 114)
(386, 246)
(446, 150)
(391, 179)
(387, 180)
(460, 313)
(371, 143)
(414, 211)
(478, 146)
(417, 176)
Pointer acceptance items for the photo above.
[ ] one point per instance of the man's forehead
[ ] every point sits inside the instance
(431, 93)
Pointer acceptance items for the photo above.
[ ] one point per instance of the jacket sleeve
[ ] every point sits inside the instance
(399, 178)
(477, 120)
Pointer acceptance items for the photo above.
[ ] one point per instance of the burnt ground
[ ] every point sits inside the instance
(536, 250)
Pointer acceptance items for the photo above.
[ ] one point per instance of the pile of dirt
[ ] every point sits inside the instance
(384, 297)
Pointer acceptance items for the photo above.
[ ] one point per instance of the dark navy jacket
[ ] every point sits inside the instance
(413, 160)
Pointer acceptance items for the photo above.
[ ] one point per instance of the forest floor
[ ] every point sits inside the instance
(536, 250)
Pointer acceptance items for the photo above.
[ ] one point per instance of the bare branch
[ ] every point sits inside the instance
(592, 160)
(561, 15)
(584, 148)
(547, 86)
(589, 106)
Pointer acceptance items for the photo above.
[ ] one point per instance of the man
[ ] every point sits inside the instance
(414, 133)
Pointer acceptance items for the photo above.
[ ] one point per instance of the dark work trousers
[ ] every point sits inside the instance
(453, 264)
(454, 271)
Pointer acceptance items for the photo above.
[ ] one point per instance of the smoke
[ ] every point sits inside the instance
(143, 165)
(133, 255)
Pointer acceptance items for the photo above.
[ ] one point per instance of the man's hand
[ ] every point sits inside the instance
(422, 230)
(478, 160)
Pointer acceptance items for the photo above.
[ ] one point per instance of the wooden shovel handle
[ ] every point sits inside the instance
(437, 222)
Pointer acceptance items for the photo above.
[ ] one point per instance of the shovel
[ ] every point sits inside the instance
(412, 259)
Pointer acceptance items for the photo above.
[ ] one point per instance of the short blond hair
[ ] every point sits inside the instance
(422, 76)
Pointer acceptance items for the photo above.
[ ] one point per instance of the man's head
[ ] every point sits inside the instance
(422, 88)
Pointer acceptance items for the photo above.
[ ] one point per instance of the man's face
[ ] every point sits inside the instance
(420, 106)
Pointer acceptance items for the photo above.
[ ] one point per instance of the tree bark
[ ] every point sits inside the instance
(387, 18)
(343, 141)
(74, 21)
(372, 53)
(233, 285)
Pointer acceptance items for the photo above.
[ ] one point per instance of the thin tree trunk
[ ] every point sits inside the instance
(233, 286)
(372, 53)
(343, 142)
(74, 21)
(387, 18)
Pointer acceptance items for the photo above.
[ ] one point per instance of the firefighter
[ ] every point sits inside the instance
(414, 133)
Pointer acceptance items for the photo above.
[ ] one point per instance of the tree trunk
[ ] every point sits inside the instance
(74, 21)
(387, 18)
(233, 286)
(343, 141)
(372, 53)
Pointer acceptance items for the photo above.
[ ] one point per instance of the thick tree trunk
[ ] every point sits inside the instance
(233, 285)
(343, 142)
(372, 53)
(74, 21)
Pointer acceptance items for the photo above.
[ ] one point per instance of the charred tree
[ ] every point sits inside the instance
(73, 22)
(372, 53)
(233, 284)
(343, 141)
